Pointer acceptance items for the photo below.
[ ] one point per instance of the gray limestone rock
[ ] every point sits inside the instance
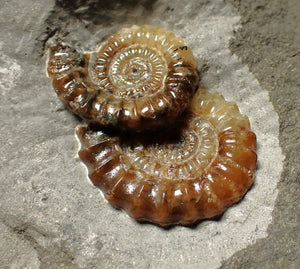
(53, 217)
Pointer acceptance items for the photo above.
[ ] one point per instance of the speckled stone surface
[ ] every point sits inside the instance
(53, 217)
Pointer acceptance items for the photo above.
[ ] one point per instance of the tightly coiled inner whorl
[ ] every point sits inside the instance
(140, 78)
(181, 176)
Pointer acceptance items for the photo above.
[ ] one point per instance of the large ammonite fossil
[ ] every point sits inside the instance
(181, 176)
(140, 78)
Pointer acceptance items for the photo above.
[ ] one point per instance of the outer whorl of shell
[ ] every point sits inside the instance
(140, 78)
(179, 180)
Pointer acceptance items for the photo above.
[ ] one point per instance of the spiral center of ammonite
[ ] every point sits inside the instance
(131, 72)
(137, 70)
(184, 158)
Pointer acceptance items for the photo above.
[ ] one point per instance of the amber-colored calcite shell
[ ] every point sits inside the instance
(140, 78)
(181, 176)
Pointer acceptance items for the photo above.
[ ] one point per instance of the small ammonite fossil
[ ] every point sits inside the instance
(178, 177)
(140, 78)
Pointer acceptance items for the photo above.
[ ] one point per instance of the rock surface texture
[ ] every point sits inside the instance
(53, 217)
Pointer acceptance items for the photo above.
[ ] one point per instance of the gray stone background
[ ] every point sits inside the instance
(51, 218)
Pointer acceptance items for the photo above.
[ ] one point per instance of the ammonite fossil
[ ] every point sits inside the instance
(140, 78)
(181, 176)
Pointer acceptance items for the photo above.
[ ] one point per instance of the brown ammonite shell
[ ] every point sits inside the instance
(140, 78)
(178, 177)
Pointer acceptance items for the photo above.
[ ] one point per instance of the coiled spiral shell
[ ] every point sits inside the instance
(178, 177)
(140, 78)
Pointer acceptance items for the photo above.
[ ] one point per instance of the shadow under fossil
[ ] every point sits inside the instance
(169, 137)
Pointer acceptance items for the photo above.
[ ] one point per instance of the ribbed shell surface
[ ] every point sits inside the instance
(181, 176)
(140, 78)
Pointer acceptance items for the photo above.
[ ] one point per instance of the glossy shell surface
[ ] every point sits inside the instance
(189, 173)
(140, 78)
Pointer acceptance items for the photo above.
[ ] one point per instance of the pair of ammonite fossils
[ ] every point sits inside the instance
(158, 147)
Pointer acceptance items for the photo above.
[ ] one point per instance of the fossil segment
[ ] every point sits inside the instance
(140, 78)
(179, 177)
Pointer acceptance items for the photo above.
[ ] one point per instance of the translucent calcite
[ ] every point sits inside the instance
(190, 172)
(140, 78)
